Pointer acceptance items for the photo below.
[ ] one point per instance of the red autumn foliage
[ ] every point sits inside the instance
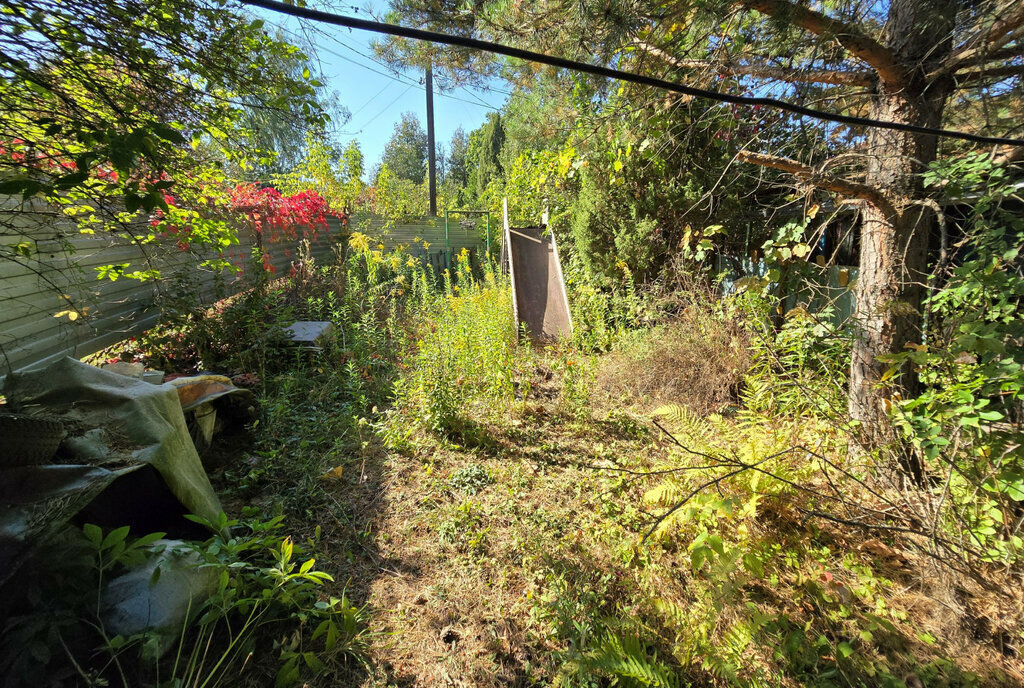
(276, 217)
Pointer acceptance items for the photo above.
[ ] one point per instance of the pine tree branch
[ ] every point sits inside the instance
(1008, 26)
(819, 179)
(817, 76)
(1006, 52)
(972, 77)
(859, 44)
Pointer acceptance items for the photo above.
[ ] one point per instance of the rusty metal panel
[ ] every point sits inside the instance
(539, 297)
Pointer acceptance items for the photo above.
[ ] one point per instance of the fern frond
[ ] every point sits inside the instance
(673, 613)
(665, 494)
(736, 639)
(670, 526)
(721, 667)
(673, 413)
(684, 421)
(626, 659)
(566, 672)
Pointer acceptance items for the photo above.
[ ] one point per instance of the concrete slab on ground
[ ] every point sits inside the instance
(309, 332)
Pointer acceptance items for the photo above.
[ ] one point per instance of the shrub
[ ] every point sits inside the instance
(265, 590)
(801, 369)
(966, 426)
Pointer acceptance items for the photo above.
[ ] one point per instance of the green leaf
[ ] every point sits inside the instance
(13, 186)
(286, 549)
(94, 534)
(70, 180)
(147, 540)
(169, 134)
(152, 200)
(155, 576)
(288, 674)
(115, 537)
(1015, 491)
(313, 662)
(752, 563)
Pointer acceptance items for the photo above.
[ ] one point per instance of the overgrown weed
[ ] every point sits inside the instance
(259, 612)
(616, 555)
(699, 358)
(465, 363)
(510, 526)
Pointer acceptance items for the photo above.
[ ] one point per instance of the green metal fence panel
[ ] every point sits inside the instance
(61, 275)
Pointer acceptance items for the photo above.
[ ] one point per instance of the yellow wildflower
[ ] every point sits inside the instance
(359, 241)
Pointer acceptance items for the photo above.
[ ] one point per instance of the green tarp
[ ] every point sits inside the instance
(141, 424)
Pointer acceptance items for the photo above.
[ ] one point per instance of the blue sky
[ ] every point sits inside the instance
(374, 95)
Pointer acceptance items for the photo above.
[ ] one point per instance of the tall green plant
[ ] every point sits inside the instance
(466, 353)
(967, 422)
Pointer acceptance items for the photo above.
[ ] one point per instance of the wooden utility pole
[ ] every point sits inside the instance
(431, 158)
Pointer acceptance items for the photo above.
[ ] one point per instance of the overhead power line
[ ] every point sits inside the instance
(397, 78)
(610, 73)
(382, 111)
(381, 63)
(373, 98)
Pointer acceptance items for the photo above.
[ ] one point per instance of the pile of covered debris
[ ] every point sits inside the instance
(113, 447)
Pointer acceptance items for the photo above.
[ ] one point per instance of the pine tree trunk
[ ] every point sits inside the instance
(894, 239)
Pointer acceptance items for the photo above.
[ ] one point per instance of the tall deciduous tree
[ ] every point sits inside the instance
(113, 85)
(405, 153)
(458, 171)
(490, 139)
(282, 133)
(337, 177)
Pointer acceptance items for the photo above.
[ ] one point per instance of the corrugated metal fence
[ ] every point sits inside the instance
(442, 244)
(830, 287)
(461, 233)
(55, 271)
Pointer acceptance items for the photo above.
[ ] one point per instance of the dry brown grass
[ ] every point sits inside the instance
(699, 360)
(462, 611)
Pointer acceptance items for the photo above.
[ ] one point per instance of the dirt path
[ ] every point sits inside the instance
(463, 546)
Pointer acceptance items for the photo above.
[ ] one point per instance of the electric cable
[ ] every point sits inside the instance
(372, 98)
(382, 111)
(610, 73)
(394, 76)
